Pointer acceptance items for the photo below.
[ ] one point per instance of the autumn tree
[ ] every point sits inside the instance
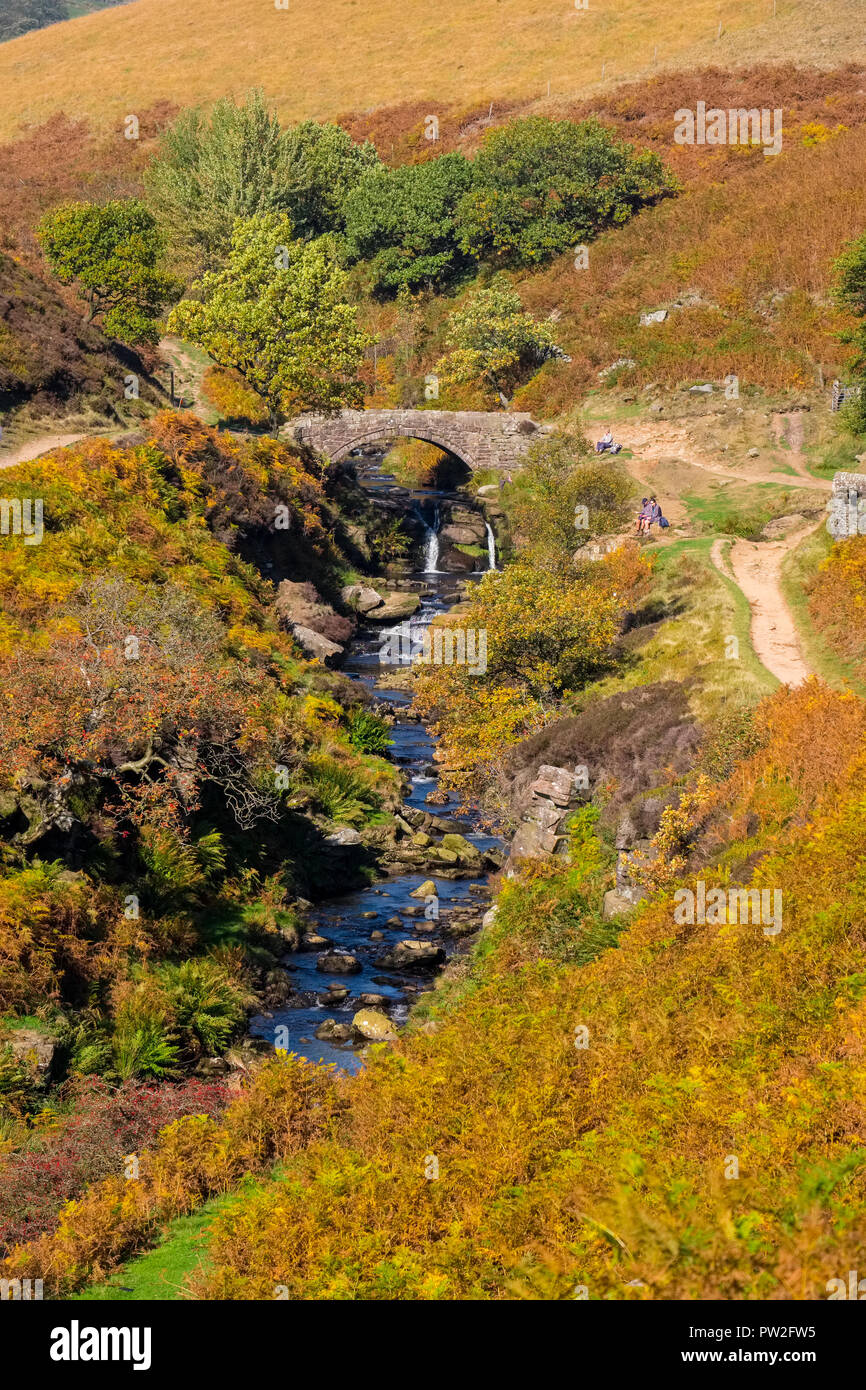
(278, 313)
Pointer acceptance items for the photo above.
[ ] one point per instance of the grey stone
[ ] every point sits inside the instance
(556, 783)
(481, 438)
(338, 963)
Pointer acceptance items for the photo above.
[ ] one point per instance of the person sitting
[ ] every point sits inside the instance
(606, 441)
(655, 513)
(642, 516)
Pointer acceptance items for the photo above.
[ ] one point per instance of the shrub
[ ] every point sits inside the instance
(543, 186)
(290, 1104)
(338, 791)
(107, 1124)
(401, 223)
(235, 401)
(204, 1002)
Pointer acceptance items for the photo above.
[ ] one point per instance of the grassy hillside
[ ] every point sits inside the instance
(678, 1117)
(307, 57)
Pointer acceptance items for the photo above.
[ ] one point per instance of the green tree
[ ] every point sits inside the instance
(277, 313)
(20, 16)
(562, 497)
(323, 165)
(495, 343)
(401, 221)
(543, 186)
(111, 253)
(212, 170)
(239, 162)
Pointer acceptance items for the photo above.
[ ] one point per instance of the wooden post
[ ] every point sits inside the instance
(172, 385)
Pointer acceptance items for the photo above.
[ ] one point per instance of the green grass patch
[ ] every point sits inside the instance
(691, 611)
(160, 1274)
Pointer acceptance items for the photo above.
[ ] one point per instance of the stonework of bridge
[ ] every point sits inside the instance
(482, 439)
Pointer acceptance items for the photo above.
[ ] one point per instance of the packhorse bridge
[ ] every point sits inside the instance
(482, 439)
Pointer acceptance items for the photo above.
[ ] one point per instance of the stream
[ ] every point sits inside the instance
(346, 921)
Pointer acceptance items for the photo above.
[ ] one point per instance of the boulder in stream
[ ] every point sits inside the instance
(373, 1025)
(427, 889)
(338, 963)
(412, 955)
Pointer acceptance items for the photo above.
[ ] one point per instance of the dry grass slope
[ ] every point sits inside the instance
(320, 59)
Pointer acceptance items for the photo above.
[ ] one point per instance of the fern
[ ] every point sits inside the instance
(338, 792)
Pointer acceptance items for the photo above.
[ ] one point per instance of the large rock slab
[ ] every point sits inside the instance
(394, 606)
(361, 597)
(556, 783)
(316, 646)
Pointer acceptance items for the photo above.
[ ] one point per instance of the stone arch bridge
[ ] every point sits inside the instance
(482, 439)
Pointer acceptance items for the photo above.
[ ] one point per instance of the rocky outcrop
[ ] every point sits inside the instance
(33, 1049)
(316, 625)
(543, 811)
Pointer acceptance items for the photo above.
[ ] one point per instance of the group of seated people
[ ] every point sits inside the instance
(649, 515)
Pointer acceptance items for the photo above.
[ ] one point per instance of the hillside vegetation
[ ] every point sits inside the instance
(678, 1114)
(308, 57)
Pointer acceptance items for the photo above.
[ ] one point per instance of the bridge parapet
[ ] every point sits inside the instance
(482, 439)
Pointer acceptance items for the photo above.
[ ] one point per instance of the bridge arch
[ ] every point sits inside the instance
(436, 437)
(480, 439)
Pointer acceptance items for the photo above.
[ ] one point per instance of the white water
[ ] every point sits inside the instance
(431, 546)
(491, 547)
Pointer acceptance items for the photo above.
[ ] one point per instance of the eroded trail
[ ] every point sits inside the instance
(34, 448)
(755, 566)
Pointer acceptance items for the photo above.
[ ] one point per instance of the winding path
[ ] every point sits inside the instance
(34, 448)
(754, 566)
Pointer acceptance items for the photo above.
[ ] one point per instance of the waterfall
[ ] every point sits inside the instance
(491, 547)
(431, 545)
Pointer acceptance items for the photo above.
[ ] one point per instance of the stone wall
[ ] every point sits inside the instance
(482, 439)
